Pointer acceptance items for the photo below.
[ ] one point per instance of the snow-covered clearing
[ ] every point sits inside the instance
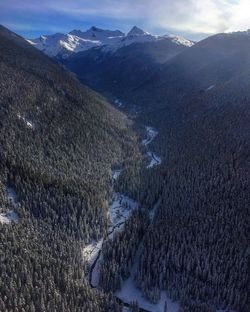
(11, 215)
(11, 195)
(8, 217)
(151, 134)
(129, 293)
(90, 251)
(116, 173)
(28, 123)
(154, 160)
(210, 87)
(119, 211)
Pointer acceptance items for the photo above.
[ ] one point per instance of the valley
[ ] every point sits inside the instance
(120, 210)
(142, 205)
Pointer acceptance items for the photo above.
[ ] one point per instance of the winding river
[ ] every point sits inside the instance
(119, 211)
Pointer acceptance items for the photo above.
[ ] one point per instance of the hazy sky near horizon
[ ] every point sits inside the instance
(194, 19)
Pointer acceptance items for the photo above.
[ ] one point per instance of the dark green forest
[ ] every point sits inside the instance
(59, 141)
(197, 247)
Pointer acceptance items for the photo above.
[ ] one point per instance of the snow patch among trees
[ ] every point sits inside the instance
(129, 293)
(90, 251)
(210, 87)
(8, 217)
(119, 211)
(11, 215)
(118, 102)
(28, 122)
(154, 160)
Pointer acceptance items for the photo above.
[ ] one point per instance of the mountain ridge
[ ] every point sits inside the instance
(63, 45)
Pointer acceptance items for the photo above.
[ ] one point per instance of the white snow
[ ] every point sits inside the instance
(28, 122)
(91, 250)
(210, 87)
(130, 293)
(118, 102)
(151, 134)
(181, 41)
(119, 211)
(77, 40)
(11, 195)
(90, 253)
(8, 217)
(116, 173)
(95, 276)
(11, 215)
(154, 160)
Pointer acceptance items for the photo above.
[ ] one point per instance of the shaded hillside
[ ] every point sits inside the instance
(207, 68)
(197, 246)
(59, 141)
(122, 71)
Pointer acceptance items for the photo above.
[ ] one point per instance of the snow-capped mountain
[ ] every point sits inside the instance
(75, 41)
(135, 31)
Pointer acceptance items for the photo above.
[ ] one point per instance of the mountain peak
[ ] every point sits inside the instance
(136, 31)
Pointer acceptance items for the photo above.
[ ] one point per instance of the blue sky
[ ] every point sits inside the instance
(194, 19)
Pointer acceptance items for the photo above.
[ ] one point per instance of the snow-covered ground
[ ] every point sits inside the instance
(118, 103)
(154, 160)
(210, 87)
(8, 217)
(11, 195)
(28, 123)
(11, 215)
(91, 250)
(151, 134)
(130, 293)
(116, 173)
(91, 254)
(119, 211)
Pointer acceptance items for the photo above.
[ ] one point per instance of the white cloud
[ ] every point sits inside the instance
(194, 16)
(189, 16)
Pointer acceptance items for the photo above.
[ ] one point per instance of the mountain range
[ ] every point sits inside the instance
(63, 45)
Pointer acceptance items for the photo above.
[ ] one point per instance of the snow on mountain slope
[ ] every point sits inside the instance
(95, 33)
(75, 41)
